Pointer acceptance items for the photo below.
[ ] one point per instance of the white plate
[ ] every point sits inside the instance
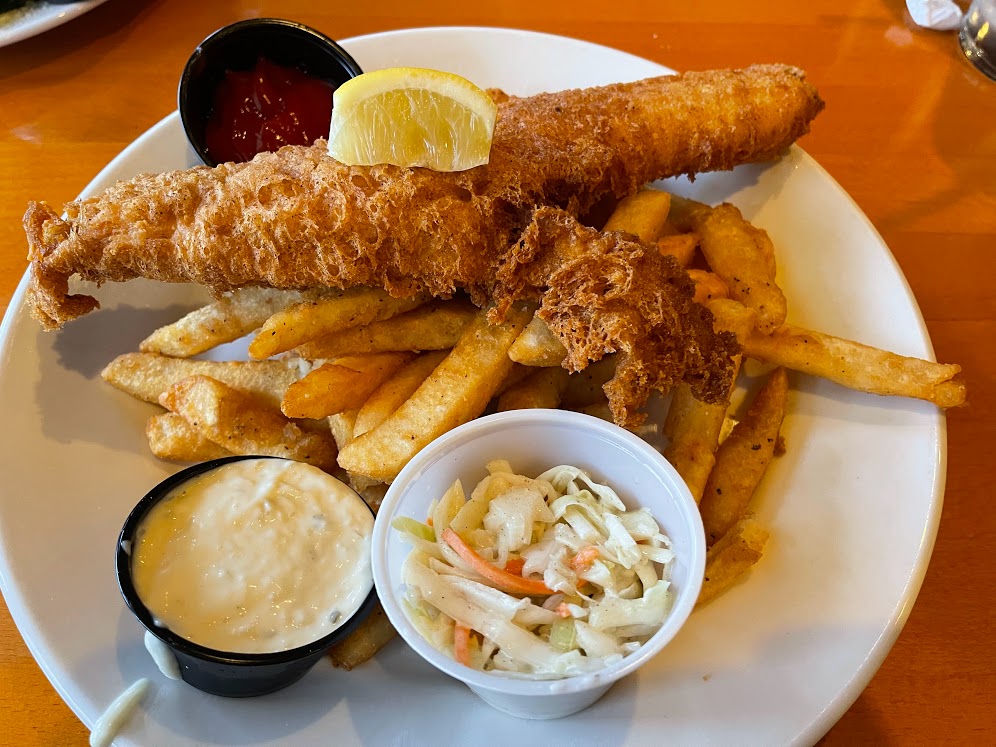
(852, 507)
(23, 23)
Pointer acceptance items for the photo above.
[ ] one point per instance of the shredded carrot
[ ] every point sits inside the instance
(514, 565)
(461, 644)
(429, 521)
(584, 559)
(502, 579)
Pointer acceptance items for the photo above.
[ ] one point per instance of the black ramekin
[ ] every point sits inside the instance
(233, 675)
(237, 47)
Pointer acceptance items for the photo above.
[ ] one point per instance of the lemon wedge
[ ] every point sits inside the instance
(412, 117)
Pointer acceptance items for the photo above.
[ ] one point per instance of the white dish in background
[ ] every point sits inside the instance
(852, 506)
(23, 23)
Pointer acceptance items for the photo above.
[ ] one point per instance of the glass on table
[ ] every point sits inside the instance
(978, 36)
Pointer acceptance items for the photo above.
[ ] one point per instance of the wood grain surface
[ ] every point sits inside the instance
(909, 132)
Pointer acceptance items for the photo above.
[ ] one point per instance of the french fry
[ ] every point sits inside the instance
(732, 316)
(585, 387)
(708, 286)
(339, 386)
(543, 388)
(515, 374)
(731, 557)
(172, 438)
(642, 214)
(537, 346)
(435, 326)
(732, 254)
(680, 246)
(694, 428)
(243, 424)
(341, 425)
(729, 247)
(686, 214)
(765, 246)
(743, 458)
(147, 375)
(393, 392)
(369, 637)
(340, 310)
(457, 391)
(230, 317)
(858, 366)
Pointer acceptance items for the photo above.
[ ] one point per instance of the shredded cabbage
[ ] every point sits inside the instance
(511, 517)
(646, 612)
(606, 572)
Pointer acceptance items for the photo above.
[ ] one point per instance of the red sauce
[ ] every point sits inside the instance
(264, 109)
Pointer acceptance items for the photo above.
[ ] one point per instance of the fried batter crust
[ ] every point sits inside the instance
(299, 219)
(604, 293)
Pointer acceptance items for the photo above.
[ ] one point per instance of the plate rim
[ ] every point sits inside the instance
(48, 21)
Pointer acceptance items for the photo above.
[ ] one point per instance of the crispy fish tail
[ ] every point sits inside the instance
(48, 291)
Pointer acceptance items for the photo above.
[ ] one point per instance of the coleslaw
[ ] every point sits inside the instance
(540, 578)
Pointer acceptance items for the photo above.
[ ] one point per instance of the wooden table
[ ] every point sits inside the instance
(909, 131)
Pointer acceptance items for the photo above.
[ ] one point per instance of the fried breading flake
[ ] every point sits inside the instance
(603, 293)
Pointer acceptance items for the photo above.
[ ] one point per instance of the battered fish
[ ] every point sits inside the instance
(299, 219)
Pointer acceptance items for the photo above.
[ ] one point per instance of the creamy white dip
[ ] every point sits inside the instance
(117, 714)
(162, 656)
(256, 556)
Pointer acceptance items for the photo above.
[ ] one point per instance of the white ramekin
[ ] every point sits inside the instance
(533, 441)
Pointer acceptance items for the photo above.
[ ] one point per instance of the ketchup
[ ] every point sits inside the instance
(264, 109)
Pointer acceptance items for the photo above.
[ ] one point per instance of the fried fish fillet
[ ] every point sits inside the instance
(299, 219)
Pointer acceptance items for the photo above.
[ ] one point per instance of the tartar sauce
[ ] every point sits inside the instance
(256, 556)
(162, 656)
(117, 714)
